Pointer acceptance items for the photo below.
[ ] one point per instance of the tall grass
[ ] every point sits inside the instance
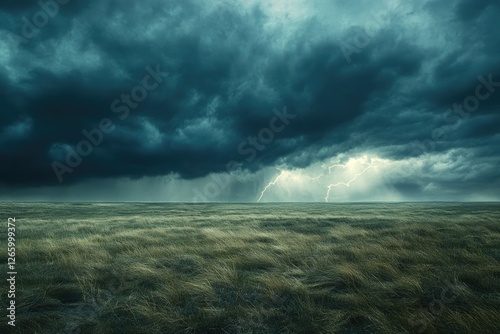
(242, 268)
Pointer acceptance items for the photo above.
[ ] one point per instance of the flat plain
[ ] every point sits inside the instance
(255, 268)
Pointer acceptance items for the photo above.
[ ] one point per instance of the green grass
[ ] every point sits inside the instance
(245, 268)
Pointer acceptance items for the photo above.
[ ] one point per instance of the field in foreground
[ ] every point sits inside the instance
(244, 268)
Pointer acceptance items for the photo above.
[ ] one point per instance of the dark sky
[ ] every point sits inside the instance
(213, 100)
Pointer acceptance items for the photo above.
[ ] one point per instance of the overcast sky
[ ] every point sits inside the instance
(250, 100)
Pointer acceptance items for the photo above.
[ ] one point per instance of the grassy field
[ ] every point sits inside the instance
(246, 268)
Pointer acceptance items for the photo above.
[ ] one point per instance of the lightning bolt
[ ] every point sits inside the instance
(272, 183)
(325, 167)
(324, 174)
(333, 166)
(316, 177)
(347, 184)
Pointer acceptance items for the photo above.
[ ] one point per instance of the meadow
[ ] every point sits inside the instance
(254, 268)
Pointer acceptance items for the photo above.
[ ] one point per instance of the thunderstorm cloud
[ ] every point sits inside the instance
(210, 100)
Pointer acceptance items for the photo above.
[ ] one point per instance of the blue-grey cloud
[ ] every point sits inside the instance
(358, 77)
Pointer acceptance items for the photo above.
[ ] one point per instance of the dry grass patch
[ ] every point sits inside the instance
(274, 268)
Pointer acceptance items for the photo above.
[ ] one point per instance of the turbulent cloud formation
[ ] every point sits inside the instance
(210, 98)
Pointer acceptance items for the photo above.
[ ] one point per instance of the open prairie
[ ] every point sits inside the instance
(247, 268)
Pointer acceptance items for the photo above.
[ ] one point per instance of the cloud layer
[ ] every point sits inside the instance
(403, 81)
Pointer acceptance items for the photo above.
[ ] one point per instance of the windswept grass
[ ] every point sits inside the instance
(272, 268)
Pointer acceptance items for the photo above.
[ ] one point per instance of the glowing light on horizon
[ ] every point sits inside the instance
(300, 179)
(347, 184)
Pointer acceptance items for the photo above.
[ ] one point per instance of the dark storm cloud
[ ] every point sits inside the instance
(470, 9)
(227, 70)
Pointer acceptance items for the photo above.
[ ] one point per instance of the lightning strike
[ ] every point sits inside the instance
(272, 183)
(299, 176)
(370, 165)
(324, 174)
(333, 166)
(316, 177)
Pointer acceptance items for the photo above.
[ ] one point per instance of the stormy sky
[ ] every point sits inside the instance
(250, 100)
